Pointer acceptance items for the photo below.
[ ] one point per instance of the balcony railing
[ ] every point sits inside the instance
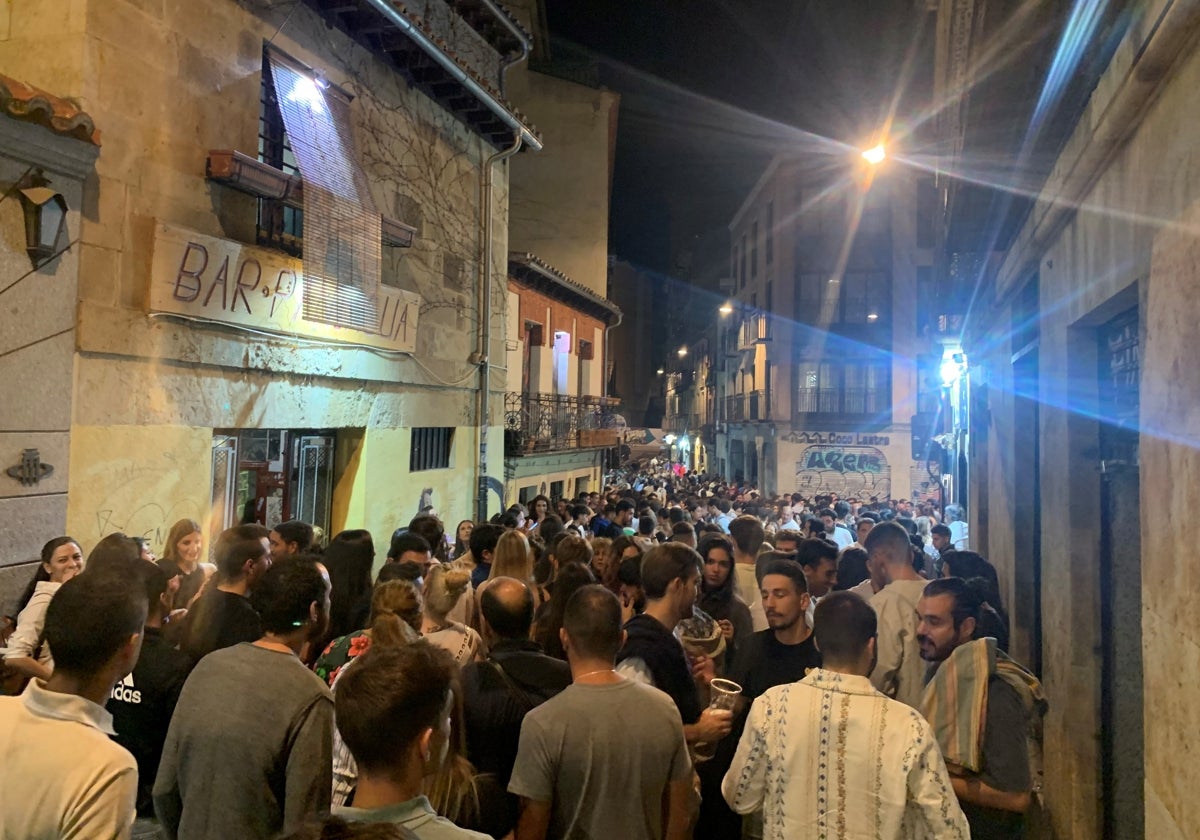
(552, 422)
(856, 401)
(751, 406)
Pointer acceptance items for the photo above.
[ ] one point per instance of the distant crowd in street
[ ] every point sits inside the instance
(676, 656)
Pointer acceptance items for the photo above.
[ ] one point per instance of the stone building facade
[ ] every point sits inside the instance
(822, 349)
(1083, 433)
(200, 386)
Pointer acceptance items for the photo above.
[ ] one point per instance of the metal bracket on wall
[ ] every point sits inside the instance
(30, 470)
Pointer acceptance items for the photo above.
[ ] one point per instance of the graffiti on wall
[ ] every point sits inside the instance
(849, 471)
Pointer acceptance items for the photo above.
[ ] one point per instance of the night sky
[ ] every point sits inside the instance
(711, 89)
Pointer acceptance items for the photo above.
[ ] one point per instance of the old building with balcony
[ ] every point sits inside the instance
(558, 425)
(819, 355)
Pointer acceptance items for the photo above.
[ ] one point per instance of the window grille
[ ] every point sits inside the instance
(431, 447)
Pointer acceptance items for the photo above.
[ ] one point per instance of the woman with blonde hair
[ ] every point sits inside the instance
(184, 545)
(443, 587)
(513, 558)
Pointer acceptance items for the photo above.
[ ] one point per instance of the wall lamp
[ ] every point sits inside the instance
(45, 214)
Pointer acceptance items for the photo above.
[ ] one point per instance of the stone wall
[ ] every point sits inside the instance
(37, 342)
(1131, 242)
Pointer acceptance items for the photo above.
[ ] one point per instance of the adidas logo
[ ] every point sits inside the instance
(125, 691)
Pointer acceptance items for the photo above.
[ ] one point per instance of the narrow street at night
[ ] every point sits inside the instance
(564, 419)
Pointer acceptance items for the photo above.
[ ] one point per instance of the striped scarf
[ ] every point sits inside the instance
(955, 699)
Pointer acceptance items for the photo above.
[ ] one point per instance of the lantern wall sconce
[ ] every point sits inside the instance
(45, 212)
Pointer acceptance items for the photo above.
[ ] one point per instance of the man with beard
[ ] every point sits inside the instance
(783, 653)
(979, 702)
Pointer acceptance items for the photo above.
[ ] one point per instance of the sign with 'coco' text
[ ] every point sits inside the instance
(241, 285)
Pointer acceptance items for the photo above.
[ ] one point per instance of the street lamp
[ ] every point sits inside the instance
(875, 155)
(681, 352)
(659, 371)
(726, 308)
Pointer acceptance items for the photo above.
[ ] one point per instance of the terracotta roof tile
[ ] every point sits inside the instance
(25, 102)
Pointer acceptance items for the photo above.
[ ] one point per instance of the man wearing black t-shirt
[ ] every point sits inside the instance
(783, 653)
(223, 616)
(142, 702)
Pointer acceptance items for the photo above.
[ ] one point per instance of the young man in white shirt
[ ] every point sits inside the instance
(829, 756)
(62, 775)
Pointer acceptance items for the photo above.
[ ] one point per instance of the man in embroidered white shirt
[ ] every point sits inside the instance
(829, 756)
(62, 776)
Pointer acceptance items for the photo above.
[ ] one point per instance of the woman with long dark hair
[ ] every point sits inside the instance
(349, 559)
(717, 597)
(27, 654)
(570, 578)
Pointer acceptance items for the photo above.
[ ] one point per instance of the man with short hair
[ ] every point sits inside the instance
(834, 530)
(289, 538)
(723, 515)
(581, 515)
(861, 529)
(61, 775)
(683, 532)
(142, 703)
(788, 542)
(431, 528)
(606, 757)
(653, 655)
(413, 548)
(979, 697)
(623, 517)
(829, 756)
(646, 525)
(783, 653)
(515, 678)
(900, 672)
(484, 537)
(748, 536)
(223, 616)
(940, 537)
(249, 750)
(393, 713)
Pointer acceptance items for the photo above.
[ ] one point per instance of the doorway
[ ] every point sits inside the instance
(269, 476)
(1122, 742)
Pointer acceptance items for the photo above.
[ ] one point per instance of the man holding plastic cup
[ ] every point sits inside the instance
(653, 655)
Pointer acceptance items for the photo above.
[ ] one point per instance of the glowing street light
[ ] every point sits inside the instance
(875, 155)
(726, 308)
(660, 371)
(681, 352)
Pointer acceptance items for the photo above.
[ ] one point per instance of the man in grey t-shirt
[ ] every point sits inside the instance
(605, 756)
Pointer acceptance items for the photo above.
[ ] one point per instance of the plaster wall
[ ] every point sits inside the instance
(560, 197)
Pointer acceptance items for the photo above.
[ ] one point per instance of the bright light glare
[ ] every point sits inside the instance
(306, 91)
(872, 317)
(726, 308)
(681, 352)
(875, 155)
(660, 371)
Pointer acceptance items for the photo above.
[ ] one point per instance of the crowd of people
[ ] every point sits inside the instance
(674, 657)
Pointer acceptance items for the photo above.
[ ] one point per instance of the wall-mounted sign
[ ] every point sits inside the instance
(241, 285)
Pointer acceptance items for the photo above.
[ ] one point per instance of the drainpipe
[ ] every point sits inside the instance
(483, 347)
(518, 33)
(604, 386)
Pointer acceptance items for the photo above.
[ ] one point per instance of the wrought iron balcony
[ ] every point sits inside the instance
(552, 422)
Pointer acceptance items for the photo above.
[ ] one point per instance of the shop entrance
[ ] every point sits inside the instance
(269, 476)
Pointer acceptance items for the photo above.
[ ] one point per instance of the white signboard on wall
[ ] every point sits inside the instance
(242, 285)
